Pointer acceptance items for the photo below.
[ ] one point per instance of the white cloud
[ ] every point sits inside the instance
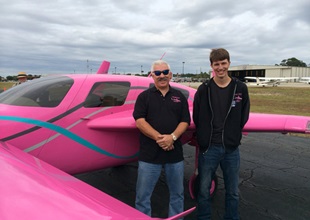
(59, 36)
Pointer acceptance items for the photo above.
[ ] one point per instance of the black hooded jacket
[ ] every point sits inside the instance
(236, 117)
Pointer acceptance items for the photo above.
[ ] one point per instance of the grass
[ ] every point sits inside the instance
(6, 85)
(280, 100)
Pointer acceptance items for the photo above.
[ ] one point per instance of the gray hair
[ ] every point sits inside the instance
(158, 62)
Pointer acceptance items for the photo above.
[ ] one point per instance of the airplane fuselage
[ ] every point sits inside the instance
(74, 136)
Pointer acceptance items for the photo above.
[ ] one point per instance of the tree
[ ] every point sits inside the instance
(293, 62)
(10, 78)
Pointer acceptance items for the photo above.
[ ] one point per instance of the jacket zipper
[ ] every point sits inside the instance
(211, 122)
(227, 116)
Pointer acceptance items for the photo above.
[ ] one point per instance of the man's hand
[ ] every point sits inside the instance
(165, 141)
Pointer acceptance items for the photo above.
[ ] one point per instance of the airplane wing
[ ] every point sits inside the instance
(271, 79)
(33, 189)
(277, 123)
(250, 77)
(262, 81)
(281, 79)
(258, 122)
(305, 80)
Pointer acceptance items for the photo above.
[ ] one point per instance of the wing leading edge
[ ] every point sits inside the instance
(277, 123)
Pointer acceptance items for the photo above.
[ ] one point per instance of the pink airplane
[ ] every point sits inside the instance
(60, 125)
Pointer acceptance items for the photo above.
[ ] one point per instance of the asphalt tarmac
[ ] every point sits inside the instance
(274, 180)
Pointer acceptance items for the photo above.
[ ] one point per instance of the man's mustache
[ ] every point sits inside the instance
(163, 79)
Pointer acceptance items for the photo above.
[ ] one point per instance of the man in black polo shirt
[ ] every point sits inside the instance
(162, 116)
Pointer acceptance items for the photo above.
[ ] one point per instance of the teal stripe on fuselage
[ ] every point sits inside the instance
(66, 133)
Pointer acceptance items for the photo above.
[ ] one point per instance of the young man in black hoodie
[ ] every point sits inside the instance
(221, 109)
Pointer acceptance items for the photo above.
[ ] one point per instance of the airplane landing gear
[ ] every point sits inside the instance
(194, 180)
(194, 186)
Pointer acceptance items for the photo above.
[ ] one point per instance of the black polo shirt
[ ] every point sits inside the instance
(163, 114)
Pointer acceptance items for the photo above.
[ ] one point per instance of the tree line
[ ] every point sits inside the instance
(292, 62)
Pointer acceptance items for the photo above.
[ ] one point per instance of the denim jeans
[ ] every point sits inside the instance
(208, 163)
(148, 175)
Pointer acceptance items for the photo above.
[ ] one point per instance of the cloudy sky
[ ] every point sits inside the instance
(75, 36)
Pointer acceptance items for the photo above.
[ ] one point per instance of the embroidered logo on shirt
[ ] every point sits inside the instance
(175, 99)
(237, 98)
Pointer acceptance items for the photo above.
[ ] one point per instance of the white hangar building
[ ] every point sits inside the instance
(268, 71)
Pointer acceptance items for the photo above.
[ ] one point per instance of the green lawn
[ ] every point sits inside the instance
(6, 85)
(280, 100)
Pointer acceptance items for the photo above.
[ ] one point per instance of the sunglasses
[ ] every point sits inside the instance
(158, 72)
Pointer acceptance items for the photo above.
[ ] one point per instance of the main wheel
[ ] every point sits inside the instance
(194, 186)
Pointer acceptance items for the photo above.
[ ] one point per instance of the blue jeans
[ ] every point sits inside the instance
(148, 175)
(208, 163)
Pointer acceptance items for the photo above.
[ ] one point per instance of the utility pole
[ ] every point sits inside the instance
(87, 66)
